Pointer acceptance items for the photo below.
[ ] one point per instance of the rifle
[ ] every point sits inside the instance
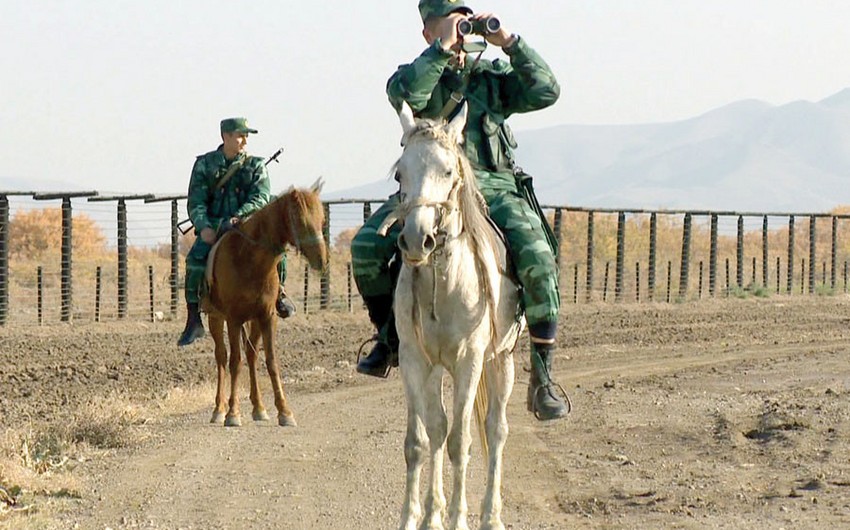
(222, 181)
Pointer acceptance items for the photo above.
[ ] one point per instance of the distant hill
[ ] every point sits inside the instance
(748, 155)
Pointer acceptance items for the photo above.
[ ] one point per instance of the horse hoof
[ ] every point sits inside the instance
(233, 421)
(260, 415)
(217, 417)
(286, 421)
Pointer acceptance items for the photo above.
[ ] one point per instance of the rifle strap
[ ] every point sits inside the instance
(457, 96)
(234, 167)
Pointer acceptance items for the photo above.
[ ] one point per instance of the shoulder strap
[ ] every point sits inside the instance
(457, 97)
(234, 167)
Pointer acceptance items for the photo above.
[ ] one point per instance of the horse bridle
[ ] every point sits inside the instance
(444, 210)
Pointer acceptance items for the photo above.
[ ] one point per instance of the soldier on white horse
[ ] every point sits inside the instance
(433, 85)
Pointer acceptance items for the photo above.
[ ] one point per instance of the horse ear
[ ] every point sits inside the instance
(456, 126)
(408, 122)
(317, 186)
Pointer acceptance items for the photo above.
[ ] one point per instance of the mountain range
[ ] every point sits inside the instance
(748, 155)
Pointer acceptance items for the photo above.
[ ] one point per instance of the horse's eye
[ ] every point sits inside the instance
(449, 172)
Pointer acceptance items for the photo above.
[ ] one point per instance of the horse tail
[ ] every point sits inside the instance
(482, 403)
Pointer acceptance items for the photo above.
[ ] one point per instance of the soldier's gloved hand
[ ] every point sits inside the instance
(227, 225)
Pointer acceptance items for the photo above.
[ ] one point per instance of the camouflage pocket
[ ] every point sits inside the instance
(492, 142)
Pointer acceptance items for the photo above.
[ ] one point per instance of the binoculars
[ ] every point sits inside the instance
(478, 26)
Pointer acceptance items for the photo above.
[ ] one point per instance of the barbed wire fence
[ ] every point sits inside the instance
(606, 255)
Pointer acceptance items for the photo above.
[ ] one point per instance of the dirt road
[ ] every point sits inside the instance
(718, 414)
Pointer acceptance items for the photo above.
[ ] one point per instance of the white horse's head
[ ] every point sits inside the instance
(430, 176)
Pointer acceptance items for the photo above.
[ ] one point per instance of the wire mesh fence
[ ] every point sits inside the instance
(100, 258)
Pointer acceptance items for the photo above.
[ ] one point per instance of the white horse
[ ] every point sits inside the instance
(456, 309)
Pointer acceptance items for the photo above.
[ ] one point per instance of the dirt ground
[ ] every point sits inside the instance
(718, 414)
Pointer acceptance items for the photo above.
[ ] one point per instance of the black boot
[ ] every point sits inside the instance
(384, 354)
(194, 326)
(544, 395)
(283, 305)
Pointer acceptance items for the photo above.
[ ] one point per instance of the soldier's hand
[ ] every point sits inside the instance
(446, 31)
(501, 38)
(208, 235)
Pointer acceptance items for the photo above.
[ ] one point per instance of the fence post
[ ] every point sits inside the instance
(175, 265)
(67, 246)
(764, 253)
(637, 281)
(700, 280)
(754, 273)
(150, 287)
(348, 274)
(833, 257)
(778, 273)
(653, 249)
(669, 278)
(122, 259)
(803, 276)
(605, 284)
(97, 291)
(686, 257)
(559, 221)
(621, 255)
(40, 287)
(306, 285)
(589, 282)
(728, 287)
(812, 250)
(326, 274)
(739, 254)
(790, 279)
(367, 211)
(712, 257)
(4, 259)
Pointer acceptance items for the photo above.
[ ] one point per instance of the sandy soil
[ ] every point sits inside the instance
(717, 414)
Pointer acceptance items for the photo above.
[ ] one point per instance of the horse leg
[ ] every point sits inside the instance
(467, 374)
(216, 324)
(252, 342)
(500, 381)
(414, 374)
(234, 336)
(285, 417)
(436, 426)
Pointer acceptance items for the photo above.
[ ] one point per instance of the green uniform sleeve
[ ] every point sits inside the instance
(199, 189)
(415, 82)
(259, 193)
(530, 85)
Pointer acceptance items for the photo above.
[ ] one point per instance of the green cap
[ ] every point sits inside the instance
(230, 125)
(441, 8)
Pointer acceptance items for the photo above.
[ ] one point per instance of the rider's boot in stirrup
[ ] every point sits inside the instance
(283, 305)
(384, 354)
(546, 399)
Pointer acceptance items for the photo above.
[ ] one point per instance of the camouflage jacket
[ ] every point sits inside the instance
(245, 192)
(496, 90)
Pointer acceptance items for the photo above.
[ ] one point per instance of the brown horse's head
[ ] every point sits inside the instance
(305, 216)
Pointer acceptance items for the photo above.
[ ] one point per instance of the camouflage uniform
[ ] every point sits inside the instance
(495, 91)
(492, 91)
(245, 192)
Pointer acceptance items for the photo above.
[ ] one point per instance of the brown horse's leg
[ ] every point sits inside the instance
(234, 335)
(217, 331)
(252, 343)
(285, 417)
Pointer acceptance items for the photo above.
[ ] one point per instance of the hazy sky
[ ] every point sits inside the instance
(120, 95)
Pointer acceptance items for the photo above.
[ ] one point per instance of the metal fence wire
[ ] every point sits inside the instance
(118, 257)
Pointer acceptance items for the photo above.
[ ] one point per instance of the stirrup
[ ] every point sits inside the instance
(551, 384)
(386, 372)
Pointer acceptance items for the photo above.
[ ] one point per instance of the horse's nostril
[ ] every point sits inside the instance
(430, 243)
(402, 243)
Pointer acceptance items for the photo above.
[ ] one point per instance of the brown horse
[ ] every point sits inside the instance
(243, 286)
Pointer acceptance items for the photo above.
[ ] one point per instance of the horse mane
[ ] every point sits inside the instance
(473, 211)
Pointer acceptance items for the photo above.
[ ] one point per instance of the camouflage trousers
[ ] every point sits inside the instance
(196, 266)
(532, 256)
